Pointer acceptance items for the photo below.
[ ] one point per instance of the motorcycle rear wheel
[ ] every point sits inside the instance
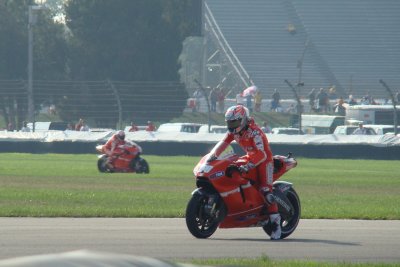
(288, 225)
(200, 224)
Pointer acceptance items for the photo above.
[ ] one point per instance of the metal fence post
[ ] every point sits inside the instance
(394, 105)
(116, 94)
(299, 105)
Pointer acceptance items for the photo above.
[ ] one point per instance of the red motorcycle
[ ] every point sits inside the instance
(225, 198)
(127, 159)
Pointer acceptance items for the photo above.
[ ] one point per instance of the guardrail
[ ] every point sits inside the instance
(385, 147)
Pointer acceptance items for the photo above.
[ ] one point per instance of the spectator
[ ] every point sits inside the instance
(332, 93)
(397, 97)
(213, 99)
(366, 99)
(79, 125)
(257, 101)
(338, 108)
(150, 127)
(133, 128)
(352, 101)
(25, 127)
(10, 127)
(198, 94)
(249, 104)
(70, 127)
(373, 102)
(323, 100)
(52, 109)
(265, 128)
(276, 98)
(311, 99)
(84, 128)
(221, 100)
(360, 130)
(239, 99)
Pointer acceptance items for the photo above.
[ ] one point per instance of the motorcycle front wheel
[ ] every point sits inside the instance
(288, 224)
(142, 166)
(102, 165)
(199, 223)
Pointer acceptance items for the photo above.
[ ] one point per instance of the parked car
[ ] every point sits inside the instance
(281, 130)
(383, 129)
(349, 129)
(180, 127)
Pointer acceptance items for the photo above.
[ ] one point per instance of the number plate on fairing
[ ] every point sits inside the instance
(205, 168)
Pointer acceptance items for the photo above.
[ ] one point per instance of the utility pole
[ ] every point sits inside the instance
(300, 83)
(32, 18)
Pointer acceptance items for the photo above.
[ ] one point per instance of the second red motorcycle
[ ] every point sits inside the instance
(127, 159)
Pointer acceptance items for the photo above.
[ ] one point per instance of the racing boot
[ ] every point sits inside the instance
(275, 220)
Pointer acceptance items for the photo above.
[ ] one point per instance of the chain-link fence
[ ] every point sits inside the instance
(101, 103)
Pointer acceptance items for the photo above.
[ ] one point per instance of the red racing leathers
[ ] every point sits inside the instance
(258, 155)
(115, 147)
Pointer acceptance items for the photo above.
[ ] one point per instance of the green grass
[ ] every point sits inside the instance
(53, 185)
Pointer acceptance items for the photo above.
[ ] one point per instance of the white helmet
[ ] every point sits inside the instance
(237, 118)
(121, 135)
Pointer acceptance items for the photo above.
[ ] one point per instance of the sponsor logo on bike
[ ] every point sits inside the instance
(217, 175)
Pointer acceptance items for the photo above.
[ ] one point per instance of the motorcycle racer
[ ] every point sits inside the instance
(243, 129)
(115, 147)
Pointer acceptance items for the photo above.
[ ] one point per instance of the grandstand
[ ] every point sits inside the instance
(349, 44)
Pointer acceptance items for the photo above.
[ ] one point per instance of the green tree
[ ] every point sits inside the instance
(49, 54)
(49, 42)
(131, 40)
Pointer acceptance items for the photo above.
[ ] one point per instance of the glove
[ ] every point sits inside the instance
(243, 169)
(212, 158)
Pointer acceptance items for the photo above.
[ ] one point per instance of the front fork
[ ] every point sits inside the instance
(210, 206)
(213, 206)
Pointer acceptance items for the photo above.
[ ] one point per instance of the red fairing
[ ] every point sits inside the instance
(285, 165)
(240, 193)
(120, 155)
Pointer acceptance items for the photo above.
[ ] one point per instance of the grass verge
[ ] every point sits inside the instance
(59, 185)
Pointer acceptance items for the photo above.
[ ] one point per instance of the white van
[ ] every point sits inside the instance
(44, 126)
(213, 129)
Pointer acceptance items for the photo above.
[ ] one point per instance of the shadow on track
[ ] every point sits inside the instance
(301, 240)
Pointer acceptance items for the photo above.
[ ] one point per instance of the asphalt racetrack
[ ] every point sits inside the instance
(169, 239)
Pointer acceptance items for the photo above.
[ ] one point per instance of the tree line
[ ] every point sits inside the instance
(91, 40)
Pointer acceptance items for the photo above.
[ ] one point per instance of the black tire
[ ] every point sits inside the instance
(289, 224)
(140, 165)
(101, 165)
(198, 222)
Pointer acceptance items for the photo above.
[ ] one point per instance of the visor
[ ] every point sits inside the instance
(233, 124)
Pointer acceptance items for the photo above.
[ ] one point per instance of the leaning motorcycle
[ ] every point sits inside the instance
(225, 198)
(128, 159)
